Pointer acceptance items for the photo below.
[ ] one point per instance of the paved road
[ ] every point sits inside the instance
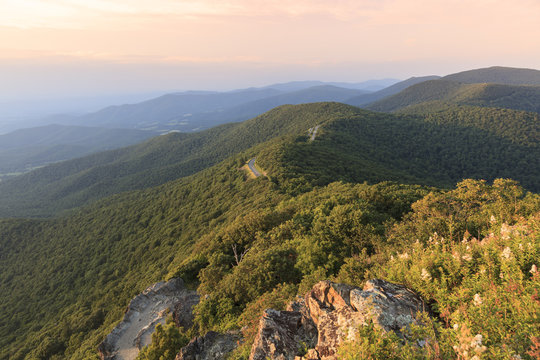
(313, 132)
(251, 165)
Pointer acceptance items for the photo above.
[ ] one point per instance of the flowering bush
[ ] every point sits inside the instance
(483, 291)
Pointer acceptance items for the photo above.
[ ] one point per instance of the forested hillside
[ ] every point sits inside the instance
(522, 97)
(498, 75)
(423, 150)
(76, 182)
(365, 99)
(354, 145)
(367, 195)
(66, 281)
(25, 149)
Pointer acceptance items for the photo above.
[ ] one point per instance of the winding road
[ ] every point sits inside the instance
(251, 165)
(313, 132)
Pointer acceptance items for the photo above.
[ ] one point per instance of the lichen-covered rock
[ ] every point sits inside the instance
(183, 313)
(331, 314)
(282, 335)
(143, 313)
(390, 306)
(212, 346)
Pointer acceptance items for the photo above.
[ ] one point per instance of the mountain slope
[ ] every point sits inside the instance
(369, 85)
(365, 99)
(525, 98)
(65, 282)
(253, 108)
(189, 112)
(361, 146)
(429, 149)
(24, 149)
(519, 127)
(498, 75)
(157, 113)
(72, 183)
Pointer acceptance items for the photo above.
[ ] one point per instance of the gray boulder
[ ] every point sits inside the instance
(329, 315)
(212, 346)
(143, 313)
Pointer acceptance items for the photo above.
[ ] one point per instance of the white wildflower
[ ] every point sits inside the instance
(477, 300)
(426, 276)
(520, 245)
(477, 340)
(533, 270)
(404, 256)
(476, 344)
(468, 248)
(391, 257)
(505, 231)
(517, 357)
(456, 326)
(507, 253)
(467, 257)
(492, 219)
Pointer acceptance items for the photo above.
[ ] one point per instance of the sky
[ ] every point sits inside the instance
(52, 48)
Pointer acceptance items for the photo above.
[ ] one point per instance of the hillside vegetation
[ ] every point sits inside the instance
(73, 183)
(25, 149)
(372, 195)
(364, 99)
(432, 150)
(353, 145)
(61, 300)
(523, 97)
(520, 127)
(498, 75)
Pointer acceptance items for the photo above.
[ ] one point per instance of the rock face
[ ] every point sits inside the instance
(144, 312)
(212, 346)
(330, 314)
(283, 332)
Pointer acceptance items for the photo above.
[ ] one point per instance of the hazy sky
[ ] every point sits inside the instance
(79, 47)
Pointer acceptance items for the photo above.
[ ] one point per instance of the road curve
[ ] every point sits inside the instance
(251, 165)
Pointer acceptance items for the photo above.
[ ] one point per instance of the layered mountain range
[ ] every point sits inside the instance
(344, 192)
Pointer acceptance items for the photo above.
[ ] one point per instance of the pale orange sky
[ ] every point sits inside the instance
(93, 46)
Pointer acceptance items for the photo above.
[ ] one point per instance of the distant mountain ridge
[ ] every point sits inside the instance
(25, 149)
(517, 97)
(195, 111)
(365, 99)
(498, 75)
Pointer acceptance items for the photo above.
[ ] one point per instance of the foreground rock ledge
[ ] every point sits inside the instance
(329, 315)
(144, 312)
(212, 346)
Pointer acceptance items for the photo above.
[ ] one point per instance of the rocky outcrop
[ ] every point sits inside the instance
(212, 346)
(143, 313)
(182, 313)
(330, 314)
(283, 332)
